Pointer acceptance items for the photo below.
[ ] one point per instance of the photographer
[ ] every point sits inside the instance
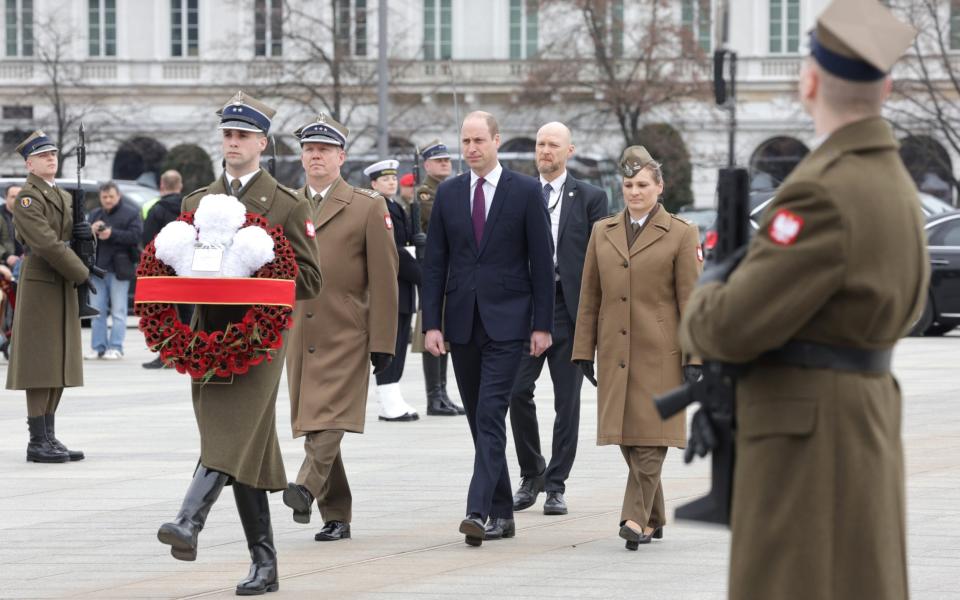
(117, 227)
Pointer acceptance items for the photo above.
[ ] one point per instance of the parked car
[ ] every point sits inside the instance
(942, 311)
(703, 218)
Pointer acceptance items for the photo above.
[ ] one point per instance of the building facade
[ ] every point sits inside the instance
(150, 73)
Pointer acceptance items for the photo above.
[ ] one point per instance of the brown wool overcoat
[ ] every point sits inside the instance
(46, 350)
(631, 301)
(839, 259)
(328, 362)
(237, 415)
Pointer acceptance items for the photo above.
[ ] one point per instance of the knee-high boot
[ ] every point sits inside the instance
(254, 513)
(181, 533)
(444, 359)
(432, 370)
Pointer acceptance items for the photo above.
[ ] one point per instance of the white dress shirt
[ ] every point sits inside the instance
(639, 221)
(314, 192)
(244, 179)
(490, 182)
(554, 206)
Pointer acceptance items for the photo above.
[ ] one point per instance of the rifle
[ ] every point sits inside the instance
(713, 426)
(419, 237)
(272, 161)
(85, 249)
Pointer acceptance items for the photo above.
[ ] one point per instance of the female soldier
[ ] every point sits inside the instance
(641, 267)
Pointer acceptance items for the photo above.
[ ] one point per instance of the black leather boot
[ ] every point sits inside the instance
(433, 366)
(181, 533)
(40, 449)
(443, 386)
(254, 513)
(73, 454)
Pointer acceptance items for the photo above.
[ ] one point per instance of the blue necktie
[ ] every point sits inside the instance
(546, 194)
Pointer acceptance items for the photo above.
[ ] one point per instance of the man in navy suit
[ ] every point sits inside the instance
(574, 206)
(490, 259)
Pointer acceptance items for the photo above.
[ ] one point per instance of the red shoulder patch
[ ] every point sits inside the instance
(388, 222)
(311, 230)
(785, 227)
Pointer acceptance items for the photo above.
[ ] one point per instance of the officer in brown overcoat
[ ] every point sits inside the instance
(337, 335)
(237, 415)
(46, 350)
(640, 269)
(835, 276)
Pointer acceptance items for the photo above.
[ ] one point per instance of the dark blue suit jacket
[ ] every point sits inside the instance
(509, 277)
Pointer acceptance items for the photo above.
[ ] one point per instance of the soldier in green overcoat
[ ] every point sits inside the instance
(46, 350)
(237, 415)
(836, 274)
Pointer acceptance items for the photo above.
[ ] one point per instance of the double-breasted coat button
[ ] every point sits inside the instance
(311, 349)
(623, 332)
(625, 264)
(309, 315)
(623, 298)
(623, 365)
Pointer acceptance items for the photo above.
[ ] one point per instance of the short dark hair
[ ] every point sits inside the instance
(6, 190)
(109, 185)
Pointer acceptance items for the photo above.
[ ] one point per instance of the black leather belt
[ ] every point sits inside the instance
(811, 355)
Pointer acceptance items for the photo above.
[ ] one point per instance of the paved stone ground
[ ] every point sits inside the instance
(88, 529)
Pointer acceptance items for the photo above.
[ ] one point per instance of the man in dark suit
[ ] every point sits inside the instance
(489, 255)
(574, 206)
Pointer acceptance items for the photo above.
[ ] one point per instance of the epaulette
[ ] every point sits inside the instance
(196, 191)
(366, 192)
(294, 194)
(681, 219)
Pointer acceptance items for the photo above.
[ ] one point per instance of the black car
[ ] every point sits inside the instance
(942, 311)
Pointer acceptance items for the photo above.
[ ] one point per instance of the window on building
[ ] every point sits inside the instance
(955, 25)
(102, 30)
(523, 29)
(437, 29)
(17, 112)
(784, 26)
(12, 139)
(19, 27)
(268, 27)
(695, 18)
(351, 26)
(184, 28)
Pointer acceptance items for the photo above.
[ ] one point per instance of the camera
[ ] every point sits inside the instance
(101, 227)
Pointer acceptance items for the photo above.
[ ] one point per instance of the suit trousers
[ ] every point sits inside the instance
(323, 474)
(643, 499)
(567, 379)
(43, 401)
(485, 371)
(393, 373)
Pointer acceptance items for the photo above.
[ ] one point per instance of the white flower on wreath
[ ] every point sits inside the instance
(218, 221)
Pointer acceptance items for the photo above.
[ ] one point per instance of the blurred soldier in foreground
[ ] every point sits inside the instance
(815, 308)
(237, 415)
(46, 354)
(340, 333)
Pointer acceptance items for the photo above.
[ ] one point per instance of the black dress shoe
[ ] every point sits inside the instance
(155, 364)
(300, 500)
(333, 531)
(499, 527)
(657, 533)
(526, 496)
(634, 538)
(403, 417)
(473, 530)
(555, 504)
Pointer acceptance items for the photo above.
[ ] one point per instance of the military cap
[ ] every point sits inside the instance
(434, 149)
(379, 169)
(35, 143)
(323, 130)
(408, 180)
(634, 159)
(859, 40)
(246, 113)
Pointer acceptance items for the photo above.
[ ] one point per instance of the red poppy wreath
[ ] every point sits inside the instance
(254, 266)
